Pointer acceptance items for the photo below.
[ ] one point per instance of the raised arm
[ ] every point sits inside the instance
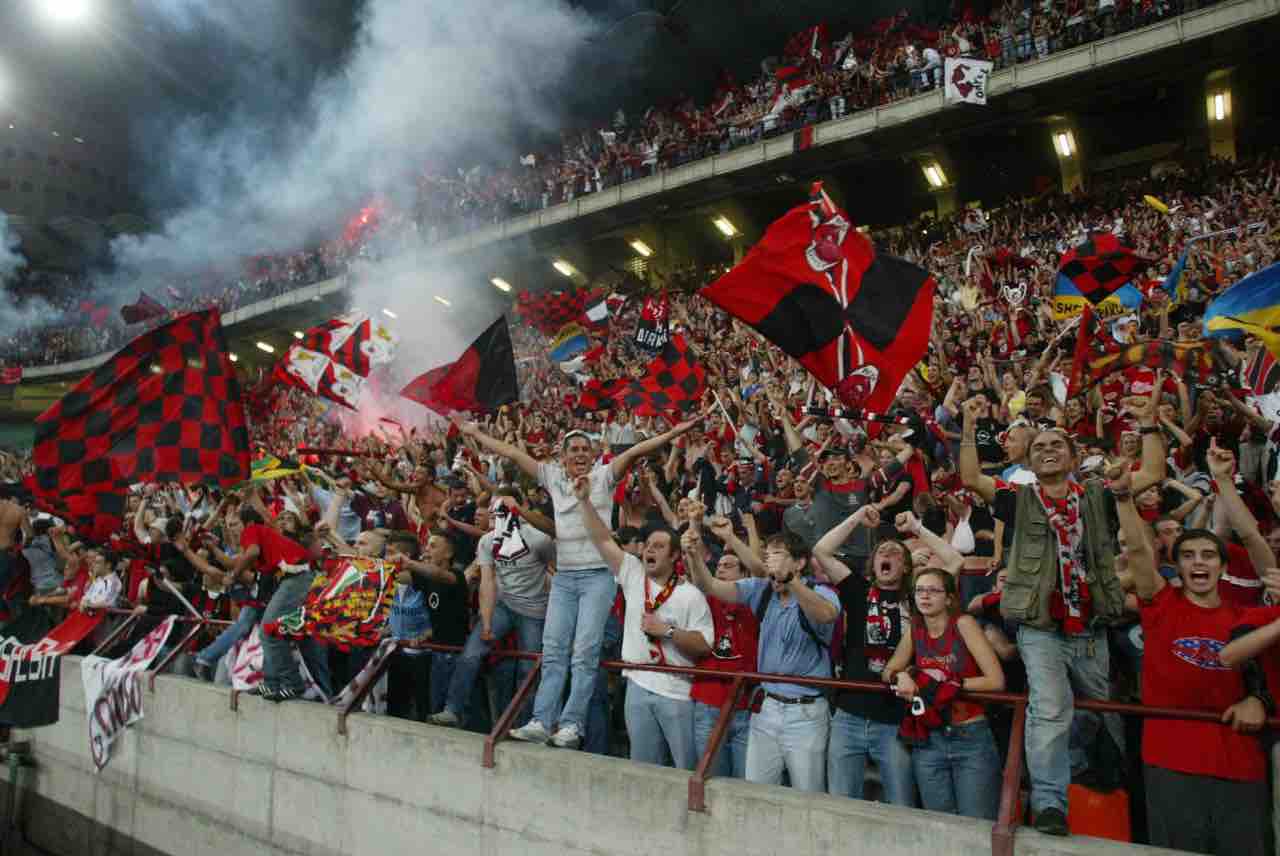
(597, 529)
(1141, 559)
(519, 457)
(1154, 466)
(1249, 645)
(1222, 468)
(722, 528)
(825, 550)
(908, 524)
(691, 545)
(970, 470)
(620, 464)
(816, 608)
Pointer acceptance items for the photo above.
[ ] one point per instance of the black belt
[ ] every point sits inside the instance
(804, 699)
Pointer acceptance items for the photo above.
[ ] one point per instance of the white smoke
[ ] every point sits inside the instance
(10, 259)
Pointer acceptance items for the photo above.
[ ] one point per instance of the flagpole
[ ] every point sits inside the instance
(727, 417)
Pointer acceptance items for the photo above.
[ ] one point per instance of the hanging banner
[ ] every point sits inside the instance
(113, 693)
(651, 330)
(31, 648)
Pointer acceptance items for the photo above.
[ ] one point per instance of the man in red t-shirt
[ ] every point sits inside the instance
(737, 636)
(284, 567)
(1206, 781)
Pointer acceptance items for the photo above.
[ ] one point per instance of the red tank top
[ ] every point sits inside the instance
(946, 658)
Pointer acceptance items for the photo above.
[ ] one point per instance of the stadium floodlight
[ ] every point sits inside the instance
(265, 348)
(563, 267)
(934, 175)
(725, 225)
(1064, 142)
(297, 334)
(442, 301)
(390, 314)
(1219, 104)
(500, 284)
(65, 12)
(641, 247)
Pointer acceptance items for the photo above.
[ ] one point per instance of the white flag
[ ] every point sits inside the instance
(966, 80)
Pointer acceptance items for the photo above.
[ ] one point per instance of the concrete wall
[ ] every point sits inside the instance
(197, 778)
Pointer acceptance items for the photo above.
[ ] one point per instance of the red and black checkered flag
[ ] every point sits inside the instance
(1101, 265)
(550, 311)
(166, 408)
(598, 394)
(674, 382)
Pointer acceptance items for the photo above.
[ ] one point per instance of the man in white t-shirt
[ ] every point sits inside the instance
(668, 621)
(582, 590)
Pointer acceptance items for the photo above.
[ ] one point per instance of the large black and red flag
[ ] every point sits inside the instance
(598, 394)
(145, 307)
(549, 311)
(1100, 266)
(166, 408)
(673, 383)
(355, 341)
(31, 650)
(858, 320)
(482, 379)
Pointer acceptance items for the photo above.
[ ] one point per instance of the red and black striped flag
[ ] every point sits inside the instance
(1100, 266)
(166, 408)
(146, 307)
(673, 383)
(1261, 372)
(857, 319)
(355, 341)
(482, 379)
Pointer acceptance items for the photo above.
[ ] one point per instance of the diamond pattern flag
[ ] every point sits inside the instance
(166, 408)
(674, 382)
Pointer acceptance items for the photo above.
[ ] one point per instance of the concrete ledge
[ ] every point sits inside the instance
(195, 777)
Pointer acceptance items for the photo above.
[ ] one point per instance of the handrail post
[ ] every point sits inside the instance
(1007, 822)
(174, 652)
(364, 690)
(115, 634)
(503, 725)
(698, 781)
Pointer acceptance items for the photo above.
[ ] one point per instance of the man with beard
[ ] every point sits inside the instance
(582, 590)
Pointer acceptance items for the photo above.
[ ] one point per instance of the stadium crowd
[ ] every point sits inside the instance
(1119, 543)
(812, 80)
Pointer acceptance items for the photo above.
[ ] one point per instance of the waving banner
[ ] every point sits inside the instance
(31, 649)
(113, 694)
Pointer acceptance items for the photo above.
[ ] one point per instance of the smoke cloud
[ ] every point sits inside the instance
(10, 258)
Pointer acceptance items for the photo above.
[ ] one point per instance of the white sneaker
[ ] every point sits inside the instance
(566, 737)
(446, 717)
(531, 732)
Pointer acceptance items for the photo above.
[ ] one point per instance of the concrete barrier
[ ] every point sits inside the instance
(195, 777)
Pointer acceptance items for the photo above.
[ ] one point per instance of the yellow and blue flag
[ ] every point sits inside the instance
(569, 342)
(1251, 306)
(1069, 302)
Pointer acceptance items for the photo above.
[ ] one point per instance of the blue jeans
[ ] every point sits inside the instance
(278, 669)
(1057, 666)
(467, 665)
(731, 760)
(958, 770)
(579, 604)
(791, 737)
(443, 665)
(660, 728)
(218, 648)
(854, 739)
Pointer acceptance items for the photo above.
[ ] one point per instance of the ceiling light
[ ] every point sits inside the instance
(725, 226)
(1064, 142)
(641, 247)
(265, 348)
(297, 334)
(66, 11)
(234, 358)
(78, 140)
(441, 301)
(389, 313)
(56, 134)
(563, 267)
(1219, 106)
(500, 284)
(934, 175)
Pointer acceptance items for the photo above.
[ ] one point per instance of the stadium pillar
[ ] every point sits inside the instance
(1221, 115)
(1064, 136)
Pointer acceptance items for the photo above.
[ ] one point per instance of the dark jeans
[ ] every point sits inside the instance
(409, 686)
(1202, 814)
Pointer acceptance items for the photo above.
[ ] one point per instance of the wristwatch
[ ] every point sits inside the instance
(671, 632)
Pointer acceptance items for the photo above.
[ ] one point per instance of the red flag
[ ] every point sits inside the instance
(354, 341)
(146, 307)
(858, 320)
(482, 379)
(10, 377)
(673, 383)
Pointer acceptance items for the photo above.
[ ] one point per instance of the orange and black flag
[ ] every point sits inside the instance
(482, 379)
(857, 319)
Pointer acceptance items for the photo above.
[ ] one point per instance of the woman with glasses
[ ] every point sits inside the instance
(953, 756)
